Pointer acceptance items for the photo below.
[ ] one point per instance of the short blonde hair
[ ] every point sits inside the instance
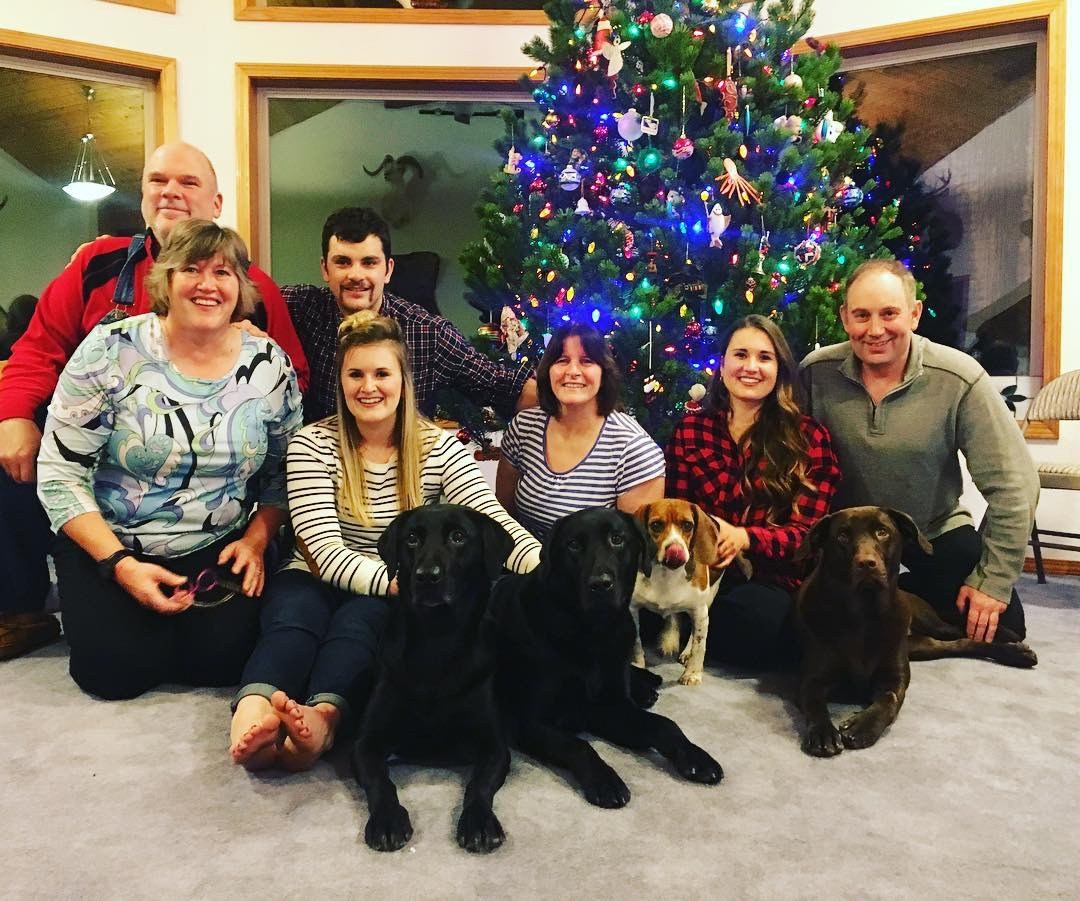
(890, 267)
(414, 436)
(193, 241)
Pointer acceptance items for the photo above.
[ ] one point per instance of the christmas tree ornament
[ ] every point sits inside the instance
(649, 159)
(583, 208)
(789, 125)
(512, 160)
(763, 249)
(718, 224)
(673, 202)
(729, 96)
(661, 25)
(569, 178)
(537, 185)
(629, 125)
(602, 34)
(621, 193)
(732, 184)
(793, 82)
(612, 51)
(850, 194)
(592, 11)
(511, 331)
(489, 331)
(807, 253)
(697, 394)
(828, 129)
(683, 148)
(693, 330)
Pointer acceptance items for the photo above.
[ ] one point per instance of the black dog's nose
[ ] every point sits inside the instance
(429, 575)
(602, 583)
(867, 562)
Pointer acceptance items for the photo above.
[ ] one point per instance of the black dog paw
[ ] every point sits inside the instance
(822, 740)
(479, 830)
(697, 765)
(388, 830)
(644, 687)
(860, 731)
(605, 788)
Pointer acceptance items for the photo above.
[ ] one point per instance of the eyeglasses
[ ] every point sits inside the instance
(209, 589)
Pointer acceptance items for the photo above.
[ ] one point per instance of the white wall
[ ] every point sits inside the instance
(39, 228)
(317, 165)
(206, 42)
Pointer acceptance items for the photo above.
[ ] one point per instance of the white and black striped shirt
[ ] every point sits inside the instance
(623, 457)
(346, 552)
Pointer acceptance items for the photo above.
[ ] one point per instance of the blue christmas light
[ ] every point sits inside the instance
(718, 306)
(595, 315)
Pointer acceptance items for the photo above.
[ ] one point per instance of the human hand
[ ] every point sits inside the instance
(983, 613)
(392, 591)
(245, 325)
(731, 540)
(246, 555)
(143, 582)
(20, 440)
(83, 247)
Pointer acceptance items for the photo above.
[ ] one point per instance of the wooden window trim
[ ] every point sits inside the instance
(247, 11)
(159, 6)
(161, 70)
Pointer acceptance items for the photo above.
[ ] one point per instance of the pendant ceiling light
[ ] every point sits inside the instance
(91, 179)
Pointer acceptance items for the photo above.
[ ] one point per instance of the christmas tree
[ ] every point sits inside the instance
(684, 169)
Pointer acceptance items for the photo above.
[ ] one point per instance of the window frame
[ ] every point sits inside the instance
(248, 11)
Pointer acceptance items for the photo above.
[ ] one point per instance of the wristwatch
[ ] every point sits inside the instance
(107, 567)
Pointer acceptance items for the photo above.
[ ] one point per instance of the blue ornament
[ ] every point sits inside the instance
(851, 197)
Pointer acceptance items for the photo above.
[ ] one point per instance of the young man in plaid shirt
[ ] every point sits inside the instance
(356, 266)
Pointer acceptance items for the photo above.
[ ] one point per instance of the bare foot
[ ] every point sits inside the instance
(309, 730)
(256, 734)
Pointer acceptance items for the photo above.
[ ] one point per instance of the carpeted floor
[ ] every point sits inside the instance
(973, 793)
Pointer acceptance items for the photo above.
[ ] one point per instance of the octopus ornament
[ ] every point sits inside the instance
(732, 184)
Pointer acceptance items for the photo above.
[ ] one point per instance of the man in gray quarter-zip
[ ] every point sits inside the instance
(899, 408)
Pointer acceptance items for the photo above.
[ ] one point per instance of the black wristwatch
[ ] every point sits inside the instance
(107, 567)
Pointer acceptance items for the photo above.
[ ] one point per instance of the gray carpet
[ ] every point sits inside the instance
(973, 793)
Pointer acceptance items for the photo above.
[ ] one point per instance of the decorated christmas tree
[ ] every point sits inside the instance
(684, 168)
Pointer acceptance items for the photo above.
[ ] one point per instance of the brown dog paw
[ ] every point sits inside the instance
(861, 730)
(822, 740)
(1018, 654)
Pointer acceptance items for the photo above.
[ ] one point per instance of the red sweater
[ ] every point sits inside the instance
(77, 299)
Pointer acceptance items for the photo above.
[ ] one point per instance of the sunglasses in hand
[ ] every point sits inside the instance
(209, 589)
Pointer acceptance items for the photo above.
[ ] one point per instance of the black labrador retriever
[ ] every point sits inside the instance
(434, 692)
(565, 640)
(858, 627)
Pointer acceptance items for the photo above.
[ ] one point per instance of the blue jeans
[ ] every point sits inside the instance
(318, 643)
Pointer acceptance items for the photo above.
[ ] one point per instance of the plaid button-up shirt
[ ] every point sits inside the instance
(439, 354)
(705, 465)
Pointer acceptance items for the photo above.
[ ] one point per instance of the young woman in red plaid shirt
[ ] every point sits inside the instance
(766, 473)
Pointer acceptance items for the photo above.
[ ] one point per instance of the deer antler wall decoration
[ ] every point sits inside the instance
(405, 190)
(395, 170)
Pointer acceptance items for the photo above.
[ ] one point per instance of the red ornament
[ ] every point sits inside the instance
(463, 436)
(646, 17)
(537, 185)
(683, 148)
(729, 94)
(693, 330)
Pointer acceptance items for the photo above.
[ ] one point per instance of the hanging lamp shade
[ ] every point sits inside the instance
(91, 179)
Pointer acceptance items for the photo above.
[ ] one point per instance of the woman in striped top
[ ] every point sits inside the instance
(576, 451)
(348, 477)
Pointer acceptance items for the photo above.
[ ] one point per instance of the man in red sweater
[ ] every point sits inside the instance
(105, 279)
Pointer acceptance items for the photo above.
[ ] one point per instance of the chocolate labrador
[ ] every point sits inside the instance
(858, 626)
(434, 694)
(565, 641)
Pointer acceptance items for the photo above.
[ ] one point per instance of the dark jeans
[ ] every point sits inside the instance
(937, 579)
(25, 537)
(751, 624)
(120, 649)
(317, 644)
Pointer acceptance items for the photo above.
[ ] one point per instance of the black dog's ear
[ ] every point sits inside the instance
(641, 526)
(388, 543)
(497, 544)
(815, 538)
(641, 533)
(547, 549)
(911, 532)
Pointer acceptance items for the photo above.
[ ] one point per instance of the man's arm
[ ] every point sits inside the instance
(1001, 468)
(37, 359)
(504, 387)
(279, 325)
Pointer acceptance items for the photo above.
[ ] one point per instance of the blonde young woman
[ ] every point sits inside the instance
(348, 477)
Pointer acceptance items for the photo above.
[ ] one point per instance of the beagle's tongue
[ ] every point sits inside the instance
(674, 556)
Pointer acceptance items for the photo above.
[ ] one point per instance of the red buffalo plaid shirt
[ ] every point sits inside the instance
(705, 465)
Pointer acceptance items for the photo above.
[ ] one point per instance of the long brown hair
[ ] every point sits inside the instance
(414, 436)
(777, 449)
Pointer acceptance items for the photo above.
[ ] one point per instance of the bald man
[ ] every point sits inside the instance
(103, 282)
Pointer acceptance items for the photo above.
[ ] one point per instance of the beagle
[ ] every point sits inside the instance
(677, 576)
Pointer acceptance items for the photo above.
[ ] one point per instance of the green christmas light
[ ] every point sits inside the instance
(633, 32)
(635, 311)
(538, 141)
(650, 159)
(718, 306)
(670, 82)
(620, 163)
